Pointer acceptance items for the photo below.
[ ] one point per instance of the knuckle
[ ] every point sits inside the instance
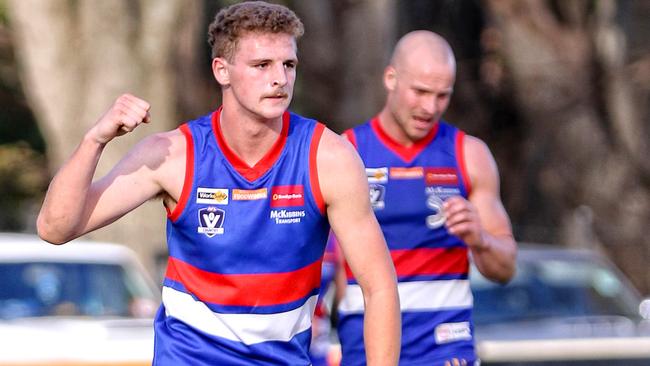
(120, 106)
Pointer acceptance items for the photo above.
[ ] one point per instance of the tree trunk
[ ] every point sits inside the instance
(342, 58)
(76, 57)
(585, 143)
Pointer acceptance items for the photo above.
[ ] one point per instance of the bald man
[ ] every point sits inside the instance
(435, 192)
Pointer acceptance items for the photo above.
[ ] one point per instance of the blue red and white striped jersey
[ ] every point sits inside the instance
(245, 251)
(407, 188)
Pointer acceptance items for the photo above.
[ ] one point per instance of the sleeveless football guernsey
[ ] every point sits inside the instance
(407, 189)
(245, 252)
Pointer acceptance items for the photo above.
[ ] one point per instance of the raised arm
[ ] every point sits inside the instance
(345, 191)
(482, 222)
(75, 205)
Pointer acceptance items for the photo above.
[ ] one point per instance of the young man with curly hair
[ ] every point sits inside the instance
(251, 191)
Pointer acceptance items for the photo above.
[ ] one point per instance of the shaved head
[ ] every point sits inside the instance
(420, 81)
(422, 45)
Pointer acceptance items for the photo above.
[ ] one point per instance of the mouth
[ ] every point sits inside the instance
(278, 95)
(421, 121)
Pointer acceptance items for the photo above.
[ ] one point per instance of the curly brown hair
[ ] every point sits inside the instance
(234, 21)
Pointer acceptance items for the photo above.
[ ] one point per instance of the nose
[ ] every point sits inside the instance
(429, 104)
(435, 104)
(279, 77)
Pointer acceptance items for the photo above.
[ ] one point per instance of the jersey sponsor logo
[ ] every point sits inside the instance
(450, 332)
(287, 196)
(377, 175)
(211, 221)
(377, 193)
(440, 177)
(287, 216)
(212, 196)
(406, 173)
(437, 218)
(442, 192)
(434, 201)
(249, 194)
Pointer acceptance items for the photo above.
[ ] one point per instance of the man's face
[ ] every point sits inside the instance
(263, 72)
(418, 95)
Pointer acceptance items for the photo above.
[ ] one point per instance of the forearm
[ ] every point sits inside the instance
(495, 258)
(382, 327)
(63, 213)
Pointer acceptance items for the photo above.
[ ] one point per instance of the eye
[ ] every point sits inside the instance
(290, 65)
(444, 96)
(262, 65)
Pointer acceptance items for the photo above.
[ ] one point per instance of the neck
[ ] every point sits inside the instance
(389, 124)
(247, 136)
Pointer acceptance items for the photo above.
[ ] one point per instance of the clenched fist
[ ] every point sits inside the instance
(127, 113)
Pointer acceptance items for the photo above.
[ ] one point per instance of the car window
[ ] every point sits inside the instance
(67, 289)
(553, 288)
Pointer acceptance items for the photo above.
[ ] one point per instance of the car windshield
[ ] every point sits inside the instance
(553, 288)
(68, 289)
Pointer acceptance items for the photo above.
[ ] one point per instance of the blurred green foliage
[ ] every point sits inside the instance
(18, 124)
(3, 12)
(23, 177)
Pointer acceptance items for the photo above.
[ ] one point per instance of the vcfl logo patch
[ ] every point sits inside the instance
(377, 193)
(211, 221)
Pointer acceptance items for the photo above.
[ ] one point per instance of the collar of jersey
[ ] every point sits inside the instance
(406, 153)
(264, 164)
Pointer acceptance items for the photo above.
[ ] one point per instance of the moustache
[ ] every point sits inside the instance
(277, 94)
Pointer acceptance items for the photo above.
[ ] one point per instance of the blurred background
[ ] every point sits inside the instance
(558, 89)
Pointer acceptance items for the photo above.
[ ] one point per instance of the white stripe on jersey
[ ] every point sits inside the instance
(417, 295)
(245, 328)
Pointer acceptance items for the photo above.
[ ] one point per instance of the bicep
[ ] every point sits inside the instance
(133, 181)
(345, 190)
(485, 194)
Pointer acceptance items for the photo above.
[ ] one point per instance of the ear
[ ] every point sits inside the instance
(220, 71)
(390, 78)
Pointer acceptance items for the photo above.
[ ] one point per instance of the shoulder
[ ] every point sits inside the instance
(479, 161)
(338, 164)
(163, 143)
(339, 167)
(334, 148)
(168, 159)
(475, 148)
(160, 151)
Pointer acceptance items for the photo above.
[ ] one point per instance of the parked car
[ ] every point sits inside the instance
(563, 307)
(82, 303)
